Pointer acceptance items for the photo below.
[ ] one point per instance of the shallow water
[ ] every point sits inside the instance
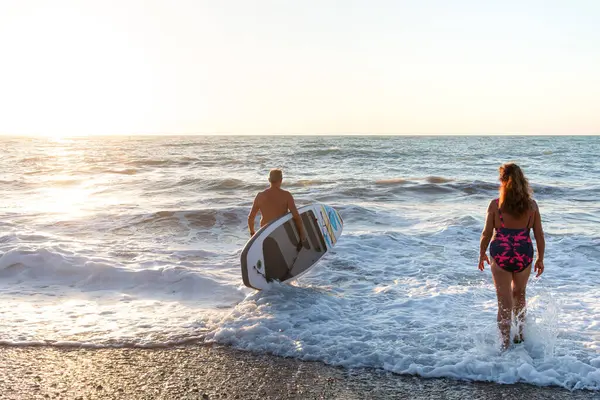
(136, 242)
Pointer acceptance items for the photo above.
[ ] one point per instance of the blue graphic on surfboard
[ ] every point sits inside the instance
(275, 251)
(330, 221)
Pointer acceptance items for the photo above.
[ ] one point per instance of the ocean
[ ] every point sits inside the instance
(135, 241)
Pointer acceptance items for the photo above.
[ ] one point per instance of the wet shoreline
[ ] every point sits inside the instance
(219, 372)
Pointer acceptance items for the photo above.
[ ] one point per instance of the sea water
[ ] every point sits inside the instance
(135, 241)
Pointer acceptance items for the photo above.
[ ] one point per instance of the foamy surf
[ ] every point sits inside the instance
(332, 326)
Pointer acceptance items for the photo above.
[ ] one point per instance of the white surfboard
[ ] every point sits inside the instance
(272, 253)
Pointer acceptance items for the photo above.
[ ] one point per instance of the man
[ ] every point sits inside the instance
(273, 203)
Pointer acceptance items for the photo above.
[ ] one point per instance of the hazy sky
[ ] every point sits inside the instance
(406, 67)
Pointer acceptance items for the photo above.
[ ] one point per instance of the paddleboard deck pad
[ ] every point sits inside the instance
(275, 251)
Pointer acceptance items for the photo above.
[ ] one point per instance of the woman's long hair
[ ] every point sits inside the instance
(515, 193)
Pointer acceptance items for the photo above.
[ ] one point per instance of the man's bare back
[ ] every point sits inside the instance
(273, 203)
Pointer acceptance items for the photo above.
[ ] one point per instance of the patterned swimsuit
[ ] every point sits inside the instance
(512, 249)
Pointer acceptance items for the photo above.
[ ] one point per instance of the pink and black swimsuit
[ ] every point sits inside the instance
(512, 249)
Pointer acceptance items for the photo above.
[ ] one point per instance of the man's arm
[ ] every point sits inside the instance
(296, 216)
(252, 215)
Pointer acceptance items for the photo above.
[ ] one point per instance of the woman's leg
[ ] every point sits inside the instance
(519, 284)
(503, 281)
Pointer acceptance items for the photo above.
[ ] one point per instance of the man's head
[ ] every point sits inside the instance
(275, 177)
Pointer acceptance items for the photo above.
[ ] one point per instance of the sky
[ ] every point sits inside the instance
(299, 67)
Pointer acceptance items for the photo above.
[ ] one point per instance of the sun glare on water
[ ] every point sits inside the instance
(63, 200)
(59, 189)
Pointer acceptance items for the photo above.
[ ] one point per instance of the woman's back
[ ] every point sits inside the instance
(511, 221)
(511, 247)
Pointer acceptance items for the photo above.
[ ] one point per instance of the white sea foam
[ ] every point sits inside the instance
(49, 297)
(416, 314)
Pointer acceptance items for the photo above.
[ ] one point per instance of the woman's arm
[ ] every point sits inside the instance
(486, 235)
(538, 233)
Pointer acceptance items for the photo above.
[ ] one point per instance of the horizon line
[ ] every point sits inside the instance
(294, 134)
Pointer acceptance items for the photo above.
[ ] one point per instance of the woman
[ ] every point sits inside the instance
(510, 218)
